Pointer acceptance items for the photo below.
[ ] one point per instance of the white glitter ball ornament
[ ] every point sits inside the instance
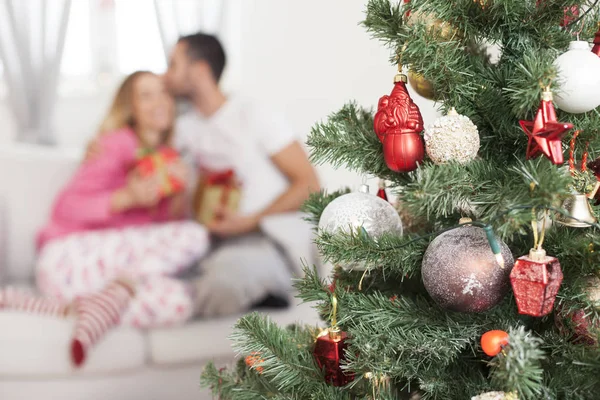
(452, 138)
(355, 211)
(496, 396)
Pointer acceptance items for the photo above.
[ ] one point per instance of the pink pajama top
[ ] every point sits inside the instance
(84, 204)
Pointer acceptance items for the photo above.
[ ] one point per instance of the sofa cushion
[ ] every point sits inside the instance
(31, 178)
(33, 345)
(209, 338)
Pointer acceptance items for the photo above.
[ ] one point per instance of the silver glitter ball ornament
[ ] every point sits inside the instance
(363, 213)
(452, 138)
(461, 273)
(360, 211)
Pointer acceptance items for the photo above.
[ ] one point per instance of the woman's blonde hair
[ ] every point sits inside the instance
(120, 114)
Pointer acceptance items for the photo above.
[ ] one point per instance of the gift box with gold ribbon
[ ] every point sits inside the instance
(216, 191)
(156, 163)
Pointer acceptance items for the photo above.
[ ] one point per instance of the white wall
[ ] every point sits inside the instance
(305, 57)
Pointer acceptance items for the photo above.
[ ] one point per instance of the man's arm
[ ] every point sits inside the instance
(294, 164)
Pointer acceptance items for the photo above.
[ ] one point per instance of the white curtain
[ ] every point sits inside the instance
(32, 38)
(182, 17)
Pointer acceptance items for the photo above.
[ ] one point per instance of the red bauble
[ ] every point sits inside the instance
(329, 354)
(535, 280)
(407, 14)
(398, 124)
(579, 326)
(492, 342)
(570, 15)
(596, 48)
(545, 133)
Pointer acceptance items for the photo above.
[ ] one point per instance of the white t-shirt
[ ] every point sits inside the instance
(241, 136)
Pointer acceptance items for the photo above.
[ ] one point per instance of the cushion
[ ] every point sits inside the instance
(27, 193)
(33, 345)
(3, 241)
(296, 237)
(209, 338)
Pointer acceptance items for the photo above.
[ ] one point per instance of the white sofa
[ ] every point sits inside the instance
(128, 364)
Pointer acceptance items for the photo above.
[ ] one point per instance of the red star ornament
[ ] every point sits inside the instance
(545, 133)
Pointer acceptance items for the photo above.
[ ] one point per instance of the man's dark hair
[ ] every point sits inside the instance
(204, 47)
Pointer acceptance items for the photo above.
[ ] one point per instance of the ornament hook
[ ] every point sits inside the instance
(334, 312)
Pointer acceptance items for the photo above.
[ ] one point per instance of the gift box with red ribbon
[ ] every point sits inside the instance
(156, 163)
(216, 191)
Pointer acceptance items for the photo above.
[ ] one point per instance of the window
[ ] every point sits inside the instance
(77, 55)
(139, 45)
(106, 39)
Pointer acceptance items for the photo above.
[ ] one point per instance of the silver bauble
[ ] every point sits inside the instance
(461, 273)
(356, 211)
(360, 212)
(452, 138)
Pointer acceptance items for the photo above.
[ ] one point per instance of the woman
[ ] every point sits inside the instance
(110, 225)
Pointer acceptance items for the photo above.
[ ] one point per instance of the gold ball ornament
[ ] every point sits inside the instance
(444, 30)
(422, 86)
(592, 290)
(482, 3)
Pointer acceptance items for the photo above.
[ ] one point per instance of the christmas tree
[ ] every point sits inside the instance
(490, 282)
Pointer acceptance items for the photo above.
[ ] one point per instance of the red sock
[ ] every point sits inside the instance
(96, 315)
(22, 300)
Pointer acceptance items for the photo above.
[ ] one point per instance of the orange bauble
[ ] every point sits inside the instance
(493, 341)
(255, 360)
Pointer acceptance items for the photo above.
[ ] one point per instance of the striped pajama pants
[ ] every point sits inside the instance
(151, 256)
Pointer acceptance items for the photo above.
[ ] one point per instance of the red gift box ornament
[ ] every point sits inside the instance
(329, 352)
(398, 124)
(535, 280)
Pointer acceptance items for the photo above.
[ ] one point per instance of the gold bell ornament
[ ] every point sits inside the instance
(580, 214)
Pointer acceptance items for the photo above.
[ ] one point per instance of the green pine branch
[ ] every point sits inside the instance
(518, 368)
(571, 371)
(347, 140)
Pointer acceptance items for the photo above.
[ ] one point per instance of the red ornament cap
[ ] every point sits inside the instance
(545, 133)
(535, 280)
(398, 124)
(381, 192)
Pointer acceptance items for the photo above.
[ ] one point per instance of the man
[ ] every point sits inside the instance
(261, 244)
